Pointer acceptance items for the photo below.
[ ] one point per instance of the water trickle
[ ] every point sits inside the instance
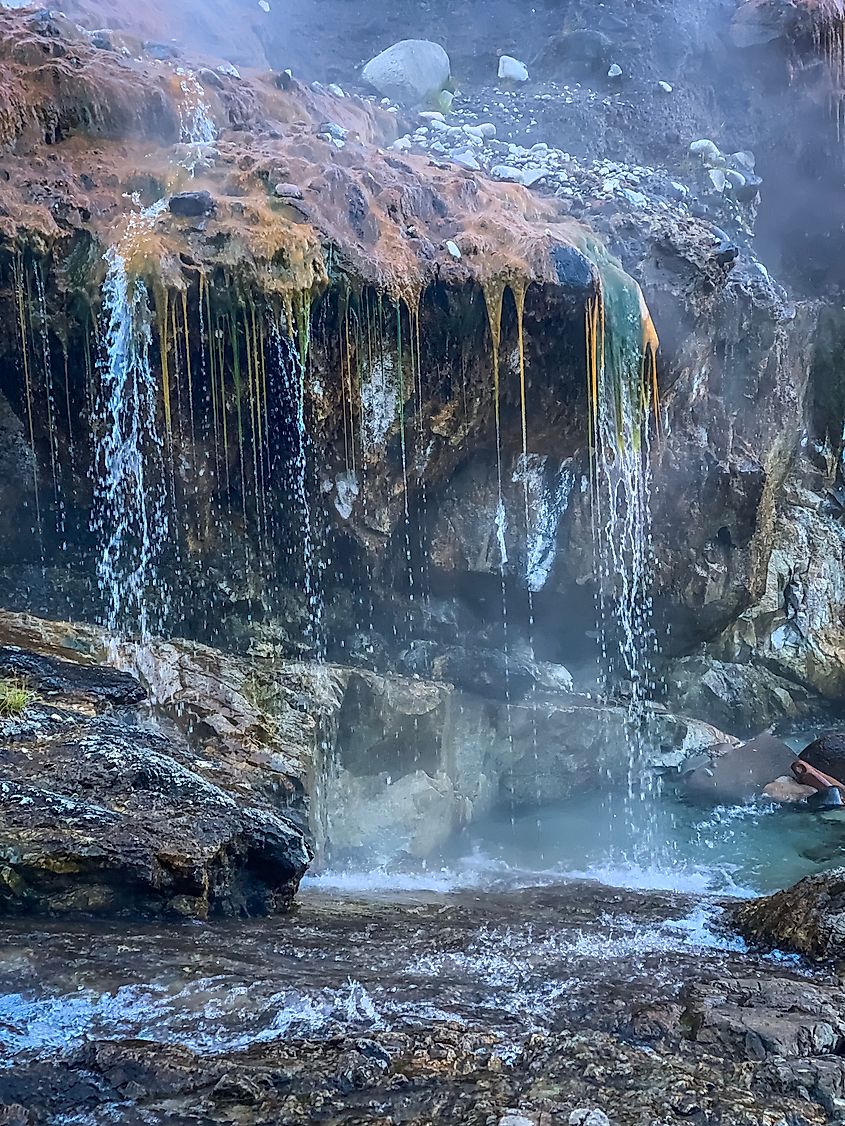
(621, 378)
(291, 341)
(196, 125)
(546, 500)
(493, 298)
(130, 512)
(49, 401)
(22, 319)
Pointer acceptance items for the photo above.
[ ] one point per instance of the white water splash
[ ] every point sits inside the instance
(210, 1014)
(196, 125)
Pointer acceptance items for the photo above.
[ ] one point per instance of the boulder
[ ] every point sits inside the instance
(109, 807)
(191, 204)
(737, 697)
(384, 819)
(729, 775)
(827, 754)
(53, 677)
(100, 817)
(410, 72)
(807, 919)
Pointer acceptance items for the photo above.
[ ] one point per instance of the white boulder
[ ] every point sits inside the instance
(512, 69)
(410, 72)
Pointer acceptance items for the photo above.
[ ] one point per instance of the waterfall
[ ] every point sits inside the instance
(130, 515)
(621, 348)
(130, 507)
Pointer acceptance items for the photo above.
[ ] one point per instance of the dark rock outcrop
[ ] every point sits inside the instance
(191, 204)
(827, 754)
(102, 814)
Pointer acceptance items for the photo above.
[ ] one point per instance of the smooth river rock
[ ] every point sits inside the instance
(726, 774)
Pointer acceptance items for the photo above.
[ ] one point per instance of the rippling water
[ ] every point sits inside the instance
(512, 962)
(502, 935)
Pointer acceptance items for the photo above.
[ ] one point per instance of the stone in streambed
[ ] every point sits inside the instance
(807, 918)
(736, 774)
(786, 790)
(191, 204)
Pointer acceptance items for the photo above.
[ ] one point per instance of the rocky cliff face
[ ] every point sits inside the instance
(356, 422)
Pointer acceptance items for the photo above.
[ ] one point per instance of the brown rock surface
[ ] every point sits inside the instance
(807, 919)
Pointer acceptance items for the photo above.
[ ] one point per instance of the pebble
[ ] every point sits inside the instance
(287, 191)
(506, 172)
(453, 249)
(466, 158)
(666, 87)
(586, 1117)
(229, 70)
(402, 144)
(516, 1120)
(431, 115)
(333, 88)
(615, 71)
(512, 69)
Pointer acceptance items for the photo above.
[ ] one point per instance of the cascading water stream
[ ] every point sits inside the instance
(130, 513)
(131, 510)
(621, 349)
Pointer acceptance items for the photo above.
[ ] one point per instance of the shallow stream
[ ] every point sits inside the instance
(506, 935)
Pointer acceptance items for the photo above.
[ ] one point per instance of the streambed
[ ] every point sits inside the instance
(454, 994)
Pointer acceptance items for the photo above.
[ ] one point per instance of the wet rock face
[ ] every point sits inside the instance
(740, 698)
(100, 815)
(756, 1019)
(807, 919)
(827, 754)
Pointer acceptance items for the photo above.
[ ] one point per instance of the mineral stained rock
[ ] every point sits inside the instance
(99, 814)
(808, 918)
